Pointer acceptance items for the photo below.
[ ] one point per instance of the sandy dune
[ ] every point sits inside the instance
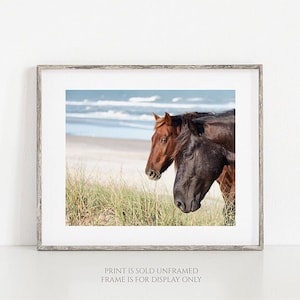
(106, 159)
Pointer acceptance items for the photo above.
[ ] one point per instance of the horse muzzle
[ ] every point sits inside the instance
(153, 175)
(193, 205)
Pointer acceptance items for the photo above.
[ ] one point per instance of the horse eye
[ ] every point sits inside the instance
(163, 140)
(188, 155)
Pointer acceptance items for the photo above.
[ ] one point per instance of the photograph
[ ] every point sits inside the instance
(150, 157)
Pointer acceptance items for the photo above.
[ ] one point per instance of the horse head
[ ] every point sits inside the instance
(167, 129)
(200, 162)
(163, 145)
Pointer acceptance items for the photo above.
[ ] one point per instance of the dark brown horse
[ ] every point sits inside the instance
(204, 153)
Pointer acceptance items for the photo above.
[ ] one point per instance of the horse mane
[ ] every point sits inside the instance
(182, 140)
(227, 117)
(223, 116)
(179, 120)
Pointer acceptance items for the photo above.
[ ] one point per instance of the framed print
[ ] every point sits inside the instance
(149, 157)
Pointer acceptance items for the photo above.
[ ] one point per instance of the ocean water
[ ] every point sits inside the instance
(128, 114)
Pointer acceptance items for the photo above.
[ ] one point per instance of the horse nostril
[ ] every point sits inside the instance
(180, 204)
(153, 174)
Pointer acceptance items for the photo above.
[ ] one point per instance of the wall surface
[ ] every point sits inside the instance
(149, 32)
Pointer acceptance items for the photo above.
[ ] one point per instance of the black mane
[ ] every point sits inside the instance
(183, 118)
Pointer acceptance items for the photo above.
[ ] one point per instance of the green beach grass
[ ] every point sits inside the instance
(116, 203)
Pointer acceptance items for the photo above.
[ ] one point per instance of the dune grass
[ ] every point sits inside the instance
(115, 203)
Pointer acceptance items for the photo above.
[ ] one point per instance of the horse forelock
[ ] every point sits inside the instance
(182, 143)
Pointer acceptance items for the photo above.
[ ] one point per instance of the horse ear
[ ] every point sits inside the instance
(168, 119)
(230, 157)
(156, 117)
(193, 127)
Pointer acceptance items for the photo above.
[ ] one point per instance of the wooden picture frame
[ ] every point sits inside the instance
(59, 114)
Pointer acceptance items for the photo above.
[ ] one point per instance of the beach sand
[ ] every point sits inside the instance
(111, 160)
(108, 160)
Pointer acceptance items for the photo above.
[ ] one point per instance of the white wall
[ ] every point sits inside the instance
(149, 32)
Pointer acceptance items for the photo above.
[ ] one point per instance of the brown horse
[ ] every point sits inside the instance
(205, 149)
(167, 129)
(162, 152)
